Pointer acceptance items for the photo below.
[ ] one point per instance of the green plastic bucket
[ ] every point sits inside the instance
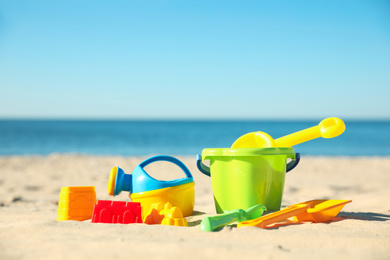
(244, 177)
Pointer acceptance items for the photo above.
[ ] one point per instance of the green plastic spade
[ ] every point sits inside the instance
(217, 222)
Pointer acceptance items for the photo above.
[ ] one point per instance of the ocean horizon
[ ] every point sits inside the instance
(178, 137)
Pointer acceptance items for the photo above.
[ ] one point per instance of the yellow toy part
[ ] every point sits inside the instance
(76, 203)
(153, 216)
(317, 211)
(181, 196)
(264, 221)
(165, 215)
(111, 181)
(254, 140)
(320, 211)
(173, 216)
(327, 128)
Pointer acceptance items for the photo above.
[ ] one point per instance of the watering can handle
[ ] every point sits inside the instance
(291, 165)
(169, 159)
(202, 168)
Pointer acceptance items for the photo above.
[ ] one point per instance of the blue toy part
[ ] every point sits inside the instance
(202, 168)
(123, 182)
(140, 181)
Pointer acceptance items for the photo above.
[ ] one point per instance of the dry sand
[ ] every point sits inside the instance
(30, 186)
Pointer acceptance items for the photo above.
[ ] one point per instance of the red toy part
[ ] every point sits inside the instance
(107, 211)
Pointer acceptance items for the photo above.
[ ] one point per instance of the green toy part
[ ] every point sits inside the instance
(217, 222)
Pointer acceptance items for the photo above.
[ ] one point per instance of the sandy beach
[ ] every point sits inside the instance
(30, 186)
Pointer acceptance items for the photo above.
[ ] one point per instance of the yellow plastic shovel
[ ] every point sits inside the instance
(317, 211)
(327, 128)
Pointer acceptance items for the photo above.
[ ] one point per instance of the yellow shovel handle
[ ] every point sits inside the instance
(264, 221)
(327, 128)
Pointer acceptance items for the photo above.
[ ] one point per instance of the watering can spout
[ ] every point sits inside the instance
(119, 181)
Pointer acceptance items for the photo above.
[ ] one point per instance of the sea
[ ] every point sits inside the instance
(178, 137)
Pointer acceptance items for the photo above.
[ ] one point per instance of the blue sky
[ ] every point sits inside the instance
(195, 59)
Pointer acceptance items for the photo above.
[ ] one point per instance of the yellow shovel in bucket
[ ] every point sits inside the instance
(327, 128)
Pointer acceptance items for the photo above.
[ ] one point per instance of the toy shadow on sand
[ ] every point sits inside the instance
(370, 216)
(196, 222)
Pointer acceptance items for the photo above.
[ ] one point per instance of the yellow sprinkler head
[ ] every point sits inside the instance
(112, 181)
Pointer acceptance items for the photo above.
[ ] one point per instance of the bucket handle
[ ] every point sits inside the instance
(291, 165)
(206, 170)
(202, 168)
